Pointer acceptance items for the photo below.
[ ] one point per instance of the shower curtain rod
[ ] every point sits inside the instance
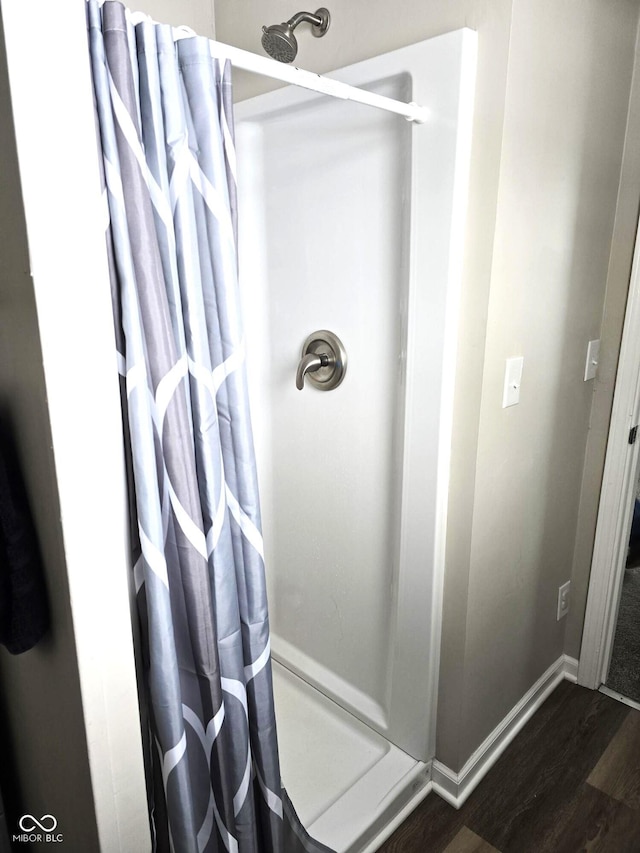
(308, 80)
(252, 62)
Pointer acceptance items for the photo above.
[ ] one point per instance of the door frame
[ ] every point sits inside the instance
(616, 500)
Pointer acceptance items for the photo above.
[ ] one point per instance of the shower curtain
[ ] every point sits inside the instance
(166, 132)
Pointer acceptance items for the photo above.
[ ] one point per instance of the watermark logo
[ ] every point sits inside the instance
(38, 829)
(28, 823)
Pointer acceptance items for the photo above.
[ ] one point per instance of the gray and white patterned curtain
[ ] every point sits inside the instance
(166, 131)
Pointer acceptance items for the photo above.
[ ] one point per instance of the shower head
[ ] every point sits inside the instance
(279, 41)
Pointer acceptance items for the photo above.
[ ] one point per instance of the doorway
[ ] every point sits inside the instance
(623, 674)
(609, 595)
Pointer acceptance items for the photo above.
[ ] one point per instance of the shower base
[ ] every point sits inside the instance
(347, 783)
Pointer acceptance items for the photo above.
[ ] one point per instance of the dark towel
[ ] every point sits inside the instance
(5, 844)
(24, 614)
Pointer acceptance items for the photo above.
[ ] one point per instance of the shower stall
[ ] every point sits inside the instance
(351, 221)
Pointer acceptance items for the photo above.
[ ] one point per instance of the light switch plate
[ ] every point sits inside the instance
(591, 364)
(564, 600)
(512, 380)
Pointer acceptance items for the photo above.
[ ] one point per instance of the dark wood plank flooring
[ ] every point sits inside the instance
(569, 782)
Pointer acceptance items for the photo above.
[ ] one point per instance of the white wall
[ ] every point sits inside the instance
(71, 703)
(40, 704)
(537, 291)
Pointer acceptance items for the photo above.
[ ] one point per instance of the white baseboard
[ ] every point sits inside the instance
(456, 787)
(571, 669)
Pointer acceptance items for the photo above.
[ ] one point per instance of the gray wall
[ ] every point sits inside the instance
(197, 14)
(568, 91)
(553, 91)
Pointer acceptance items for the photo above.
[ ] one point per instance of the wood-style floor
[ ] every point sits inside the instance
(569, 782)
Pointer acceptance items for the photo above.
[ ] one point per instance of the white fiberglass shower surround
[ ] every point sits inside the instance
(351, 220)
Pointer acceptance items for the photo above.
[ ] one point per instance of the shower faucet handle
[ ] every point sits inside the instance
(323, 361)
(308, 364)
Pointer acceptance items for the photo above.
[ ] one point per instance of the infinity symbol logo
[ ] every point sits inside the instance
(28, 823)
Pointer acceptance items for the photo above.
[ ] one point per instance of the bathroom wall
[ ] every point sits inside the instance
(197, 14)
(567, 100)
(70, 742)
(552, 98)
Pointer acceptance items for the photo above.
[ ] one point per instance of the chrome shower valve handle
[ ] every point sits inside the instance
(308, 364)
(323, 361)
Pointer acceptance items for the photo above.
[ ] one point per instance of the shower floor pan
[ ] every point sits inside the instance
(346, 782)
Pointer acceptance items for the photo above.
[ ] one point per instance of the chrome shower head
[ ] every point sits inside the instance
(279, 41)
